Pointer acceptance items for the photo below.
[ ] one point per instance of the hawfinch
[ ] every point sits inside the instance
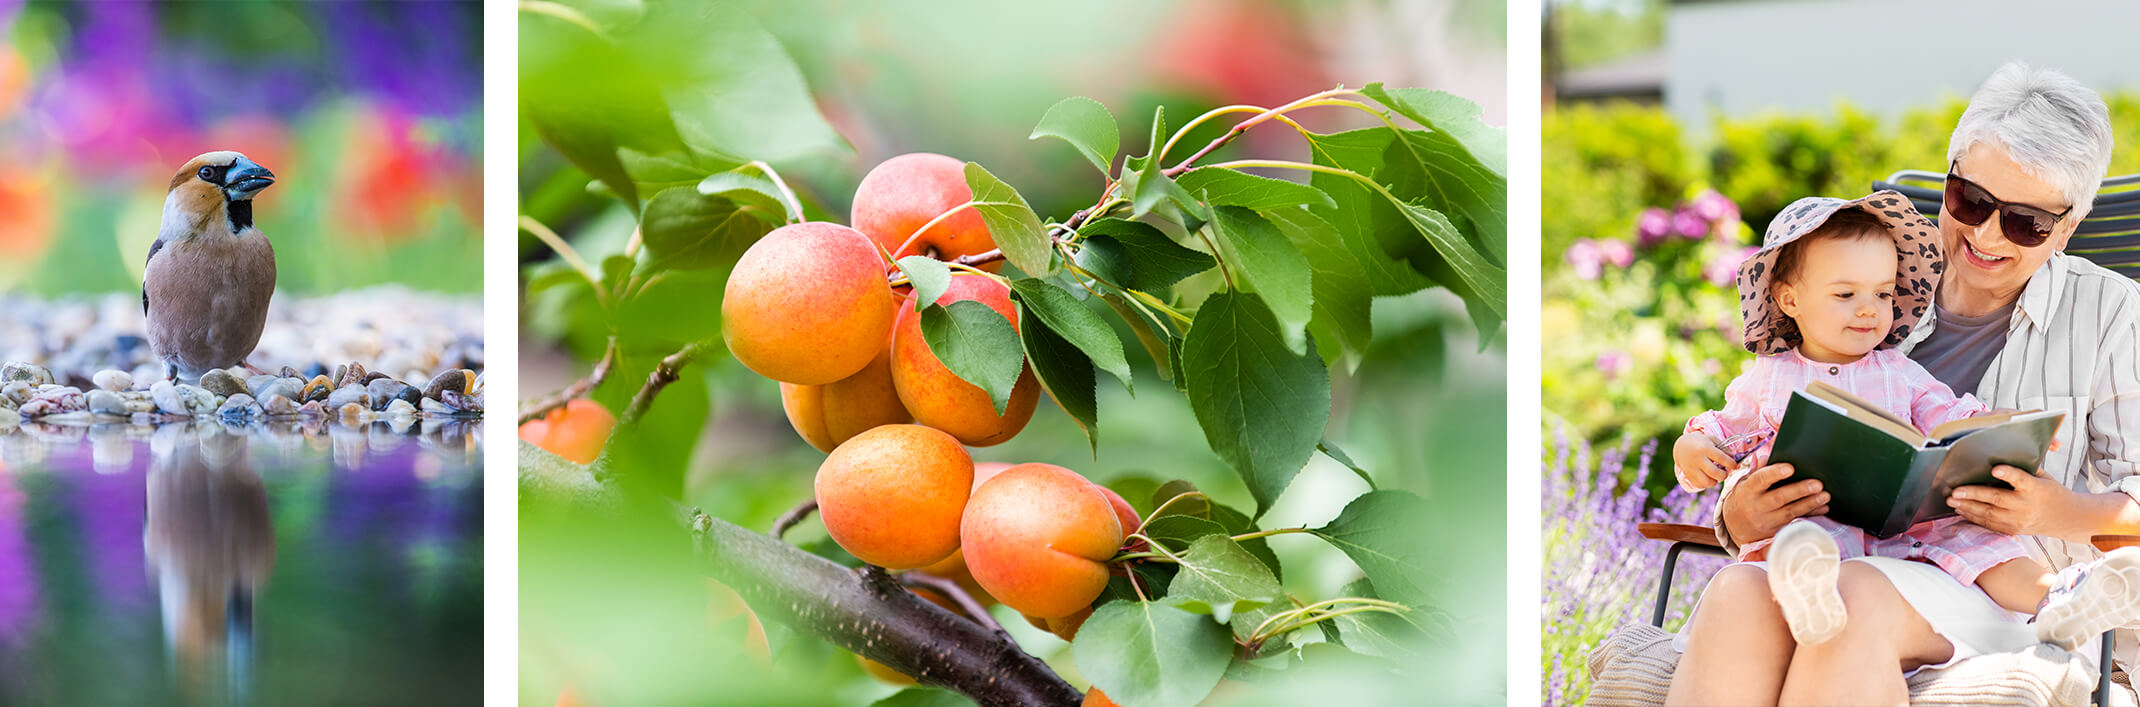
(210, 273)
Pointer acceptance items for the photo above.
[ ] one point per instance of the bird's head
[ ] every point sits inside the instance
(216, 184)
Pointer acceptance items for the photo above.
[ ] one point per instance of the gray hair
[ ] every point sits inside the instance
(2054, 127)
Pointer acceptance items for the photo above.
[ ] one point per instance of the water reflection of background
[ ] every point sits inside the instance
(274, 564)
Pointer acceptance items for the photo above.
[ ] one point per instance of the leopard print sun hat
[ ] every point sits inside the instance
(1768, 331)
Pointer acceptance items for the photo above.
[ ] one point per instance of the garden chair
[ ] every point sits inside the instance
(1633, 666)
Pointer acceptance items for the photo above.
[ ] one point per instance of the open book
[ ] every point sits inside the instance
(1881, 473)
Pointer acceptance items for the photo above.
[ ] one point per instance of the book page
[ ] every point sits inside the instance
(1864, 411)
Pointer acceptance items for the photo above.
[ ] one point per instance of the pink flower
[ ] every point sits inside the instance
(1653, 226)
(1587, 259)
(1617, 252)
(1689, 224)
(1724, 270)
(1712, 206)
(1614, 363)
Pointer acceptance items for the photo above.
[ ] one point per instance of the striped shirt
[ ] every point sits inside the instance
(2074, 347)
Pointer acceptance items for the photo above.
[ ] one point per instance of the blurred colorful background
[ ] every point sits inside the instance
(369, 114)
(214, 562)
(1669, 141)
(1424, 409)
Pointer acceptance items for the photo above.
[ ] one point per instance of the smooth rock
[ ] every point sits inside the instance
(316, 389)
(113, 380)
(198, 400)
(238, 407)
(9, 418)
(288, 372)
(221, 383)
(103, 401)
(313, 409)
(401, 408)
(278, 405)
(18, 392)
(168, 399)
(385, 390)
(452, 379)
(350, 395)
(26, 372)
(436, 408)
(462, 403)
(352, 412)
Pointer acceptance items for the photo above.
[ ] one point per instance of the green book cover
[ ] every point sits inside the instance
(1882, 474)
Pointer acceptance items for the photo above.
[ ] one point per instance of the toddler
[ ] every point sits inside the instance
(1836, 285)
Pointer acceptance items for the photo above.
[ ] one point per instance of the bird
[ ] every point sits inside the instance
(210, 273)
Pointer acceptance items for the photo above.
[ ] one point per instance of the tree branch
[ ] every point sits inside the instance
(793, 516)
(578, 389)
(664, 374)
(957, 594)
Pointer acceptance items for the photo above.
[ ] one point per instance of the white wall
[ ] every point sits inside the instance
(1882, 56)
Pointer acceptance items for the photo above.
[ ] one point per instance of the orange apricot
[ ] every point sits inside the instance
(577, 431)
(939, 398)
(904, 193)
(1038, 537)
(807, 304)
(893, 496)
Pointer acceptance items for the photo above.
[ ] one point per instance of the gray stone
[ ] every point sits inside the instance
(26, 372)
(17, 392)
(400, 407)
(278, 405)
(238, 407)
(105, 402)
(453, 379)
(352, 395)
(113, 380)
(199, 401)
(220, 383)
(386, 390)
(168, 399)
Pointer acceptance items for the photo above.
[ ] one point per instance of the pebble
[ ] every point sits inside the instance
(198, 400)
(8, 418)
(239, 407)
(400, 408)
(317, 389)
(103, 401)
(17, 392)
(221, 383)
(436, 408)
(113, 380)
(452, 379)
(275, 405)
(461, 403)
(26, 372)
(352, 412)
(349, 375)
(349, 395)
(313, 409)
(168, 399)
(386, 390)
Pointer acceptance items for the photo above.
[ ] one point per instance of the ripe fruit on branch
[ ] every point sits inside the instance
(830, 414)
(893, 496)
(807, 304)
(954, 567)
(577, 430)
(939, 398)
(1064, 628)
(904, 193)
(1038, 537)
(1095, 698)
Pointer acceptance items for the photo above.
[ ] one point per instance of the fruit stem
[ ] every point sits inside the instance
(931, 224)
(571, 256)
(1267, 533)
(578, 389)
(965, 600)
(1164, 506)
(795, 213)
(793, 516)
(1214, 247)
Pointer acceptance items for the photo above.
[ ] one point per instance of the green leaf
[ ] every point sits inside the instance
(1331, 450)
(1066, 373)
(586, 98)
(655, 172)
(1259, 254)
(924, 697)
(1343, 314)
(1386, 534)
(748, 98)
(929, 276)
(686, 230)
(1069, 319)
(1154, 345)
(1385, 235)
(1017, 230)
(752, 189)
(1180, 530)
(1261, 406)
(1086, 125)
(1106, 259)
(1228, 187)
(551, 274)
(977, 344)
(1151, 653)
(1378, 633)
(616, 269)
(1487, 282)
(1452, 115)
(1155, 261)
(1152, 187)
(1219, 577)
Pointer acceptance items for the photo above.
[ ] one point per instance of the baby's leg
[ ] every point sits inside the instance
(2018, 585)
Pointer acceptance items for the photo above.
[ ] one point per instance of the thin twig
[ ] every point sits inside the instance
(1244, 125)
(793, 516)
(958, 595)
(577, 390)
(664, 374)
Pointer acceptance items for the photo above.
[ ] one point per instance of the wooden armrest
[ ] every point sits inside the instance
(2108, 543)
(1698, 534)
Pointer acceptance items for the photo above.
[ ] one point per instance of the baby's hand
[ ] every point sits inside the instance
(1702, 463)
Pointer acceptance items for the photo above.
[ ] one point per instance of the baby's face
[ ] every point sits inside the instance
(1843, 297)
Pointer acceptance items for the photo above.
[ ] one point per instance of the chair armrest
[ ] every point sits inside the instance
(1697, 534)
(2108, 543)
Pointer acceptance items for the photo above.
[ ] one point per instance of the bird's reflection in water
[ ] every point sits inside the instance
(210, 546)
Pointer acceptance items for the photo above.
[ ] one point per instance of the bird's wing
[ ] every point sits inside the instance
(158, 245)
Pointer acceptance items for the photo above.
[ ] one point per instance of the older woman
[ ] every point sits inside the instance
(2023, 325)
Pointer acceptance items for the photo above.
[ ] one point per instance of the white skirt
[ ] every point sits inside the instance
(1960, 613)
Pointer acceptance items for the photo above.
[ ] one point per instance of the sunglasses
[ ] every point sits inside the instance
(2025, 225)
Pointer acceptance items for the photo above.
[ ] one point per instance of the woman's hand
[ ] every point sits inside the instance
(1701, 461)
(2035, 506)
(1761, 504)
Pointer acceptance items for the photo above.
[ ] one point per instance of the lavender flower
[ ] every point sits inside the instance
(1689, 224)
(1587, 258)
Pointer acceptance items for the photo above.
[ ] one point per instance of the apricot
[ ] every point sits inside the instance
(954, 567)
(893, 496)
(1095, 698)
(807, 304)
(1038, 537)
(827, 415)
(904, 193)
(576, 431)
(1064, 628)
(939, 398)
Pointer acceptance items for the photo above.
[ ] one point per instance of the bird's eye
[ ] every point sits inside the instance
(208, 173)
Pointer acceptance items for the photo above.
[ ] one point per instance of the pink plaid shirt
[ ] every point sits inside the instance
(1755, 402)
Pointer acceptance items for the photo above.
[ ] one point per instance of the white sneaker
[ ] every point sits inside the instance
(2106, 595)
(1803, 564)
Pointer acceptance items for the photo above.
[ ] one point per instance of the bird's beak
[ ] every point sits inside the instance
(245, 179)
